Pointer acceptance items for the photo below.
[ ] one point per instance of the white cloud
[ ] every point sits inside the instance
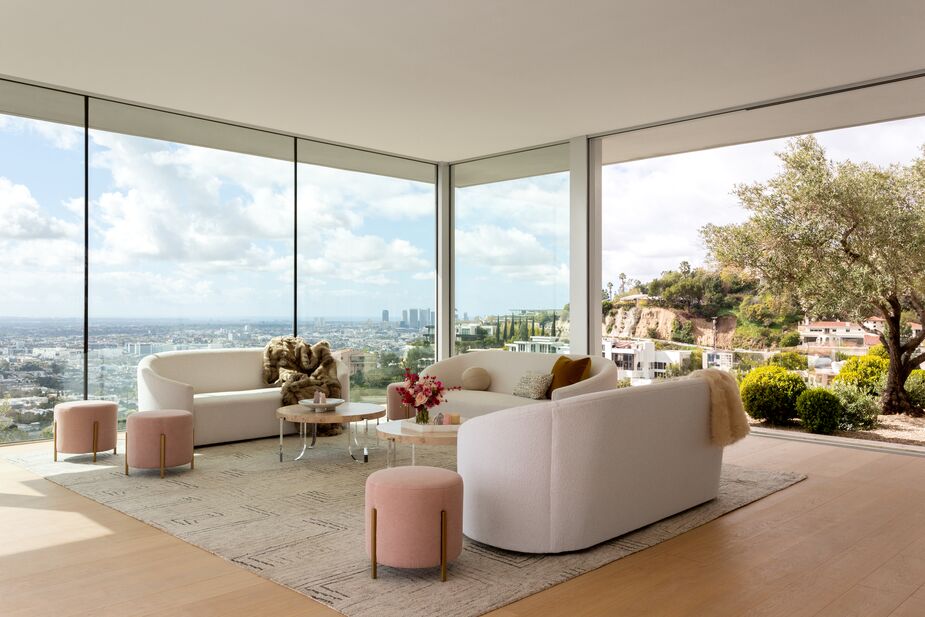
(654, 208)
(60, 136)
(511, 253)
(22, 217)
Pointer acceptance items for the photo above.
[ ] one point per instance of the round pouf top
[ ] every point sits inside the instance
(409, 502)
(143, 430)
(74, 426)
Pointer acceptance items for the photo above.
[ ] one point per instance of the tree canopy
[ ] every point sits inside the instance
(847, 239)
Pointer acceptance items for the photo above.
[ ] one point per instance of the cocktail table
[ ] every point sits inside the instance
(347, 413)
(397, 431)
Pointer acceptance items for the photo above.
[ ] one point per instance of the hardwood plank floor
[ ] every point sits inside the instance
(850, 540)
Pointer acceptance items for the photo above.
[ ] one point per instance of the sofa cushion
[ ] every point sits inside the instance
(567, 372)
(472, 403)
(217, 399)
(475, 378)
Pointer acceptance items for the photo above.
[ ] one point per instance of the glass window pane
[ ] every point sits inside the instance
(190, 247)
(366, 273)
(42, 252)
(511, 243)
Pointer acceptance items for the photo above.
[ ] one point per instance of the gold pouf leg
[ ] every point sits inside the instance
(372, 534)
(96, 438)
(125, 454)
(54, 438)
(443, 545)
(163, 452)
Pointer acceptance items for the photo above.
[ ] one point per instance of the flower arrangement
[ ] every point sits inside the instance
(422, 393)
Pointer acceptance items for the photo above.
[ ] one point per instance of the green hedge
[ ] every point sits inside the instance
(770, 393)
(820, 411)
(859, 409)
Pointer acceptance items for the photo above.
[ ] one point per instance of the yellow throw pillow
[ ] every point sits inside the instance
(566, 372)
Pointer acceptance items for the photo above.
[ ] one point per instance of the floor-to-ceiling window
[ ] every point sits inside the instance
(511, 247)
(366, 270)
(41, 252)
(191, 239)
(777, 255)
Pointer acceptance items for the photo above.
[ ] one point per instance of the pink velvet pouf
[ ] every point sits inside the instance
(414, 517)
(85, 426)
(159, 439)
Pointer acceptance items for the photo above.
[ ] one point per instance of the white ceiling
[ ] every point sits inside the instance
(444, 80)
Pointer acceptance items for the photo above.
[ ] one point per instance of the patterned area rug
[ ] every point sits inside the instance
(300, 524)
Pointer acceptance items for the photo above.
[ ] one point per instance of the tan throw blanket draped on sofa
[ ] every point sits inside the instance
(728, 422)
(302, 369)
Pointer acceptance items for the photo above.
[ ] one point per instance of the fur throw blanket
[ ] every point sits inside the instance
(302, 369)
(728, 422)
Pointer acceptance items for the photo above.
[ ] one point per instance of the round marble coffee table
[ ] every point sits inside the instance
(346, 413)
(397, 431)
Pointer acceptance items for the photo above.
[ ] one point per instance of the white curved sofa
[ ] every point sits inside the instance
(223, 388)
(505, 369)
(568, 474)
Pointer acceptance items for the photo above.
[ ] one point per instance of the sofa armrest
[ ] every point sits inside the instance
(504, 459)
(605, 380)
(157, 392)
(396, 410)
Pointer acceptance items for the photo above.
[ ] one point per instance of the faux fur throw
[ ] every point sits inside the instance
(301, 369)
(728, 422)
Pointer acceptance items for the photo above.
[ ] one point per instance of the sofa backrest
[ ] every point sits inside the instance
(601, 464)
(506, 367)
(211, 370)
(633, 451)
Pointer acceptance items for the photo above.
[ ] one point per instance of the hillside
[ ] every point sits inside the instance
(643, 322)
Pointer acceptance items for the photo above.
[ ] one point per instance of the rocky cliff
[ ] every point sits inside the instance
(643, 322)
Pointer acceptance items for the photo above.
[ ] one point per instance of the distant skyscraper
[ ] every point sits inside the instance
(404, 316)
(385, 314)
(415, 320)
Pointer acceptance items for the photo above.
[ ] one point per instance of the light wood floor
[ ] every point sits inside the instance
(850, 540)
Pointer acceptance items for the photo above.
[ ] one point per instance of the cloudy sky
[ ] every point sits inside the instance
(653, 209)
(190, 232)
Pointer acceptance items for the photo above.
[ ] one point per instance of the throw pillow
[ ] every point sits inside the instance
(475, 378)
(566, 372)
(533, 385)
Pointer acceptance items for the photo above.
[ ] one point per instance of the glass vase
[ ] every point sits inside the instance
(421, 416)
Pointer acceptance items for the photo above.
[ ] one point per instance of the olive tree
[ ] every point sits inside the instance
(847, 239)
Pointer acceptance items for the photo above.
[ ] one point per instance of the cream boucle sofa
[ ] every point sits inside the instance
(567, 474)
(505, 369)
(223, 388)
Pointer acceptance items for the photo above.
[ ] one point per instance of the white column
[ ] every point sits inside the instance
(585, 245)
(444, 320)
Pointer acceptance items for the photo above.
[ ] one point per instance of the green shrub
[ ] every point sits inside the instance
(865, 372)
(625, 382)
(879, 350)
(789, 360)
(915, 387)
(682, 332)
(859, 409)
(652, 332)
(770, 393)
(820, 411)
(790, 339)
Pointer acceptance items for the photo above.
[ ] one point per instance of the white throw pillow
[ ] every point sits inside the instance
(533, 385)
(476, 378)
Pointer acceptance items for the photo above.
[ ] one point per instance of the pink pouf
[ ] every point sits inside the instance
(159, 439)
(414, 517)
(85, 426)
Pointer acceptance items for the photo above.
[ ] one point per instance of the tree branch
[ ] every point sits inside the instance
(913, 343)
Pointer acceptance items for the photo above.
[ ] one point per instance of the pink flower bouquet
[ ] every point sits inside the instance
(422, 393)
